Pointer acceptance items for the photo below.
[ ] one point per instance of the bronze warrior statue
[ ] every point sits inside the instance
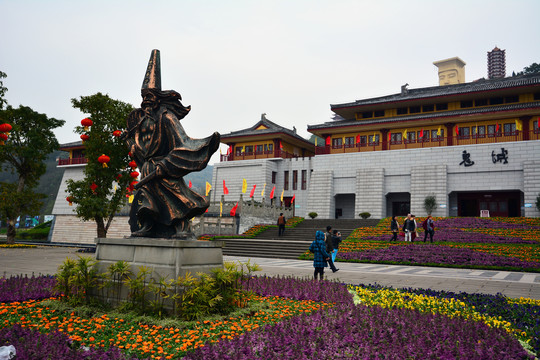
(163, 204)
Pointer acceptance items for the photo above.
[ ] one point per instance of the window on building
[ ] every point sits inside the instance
(259, 149)
(414, 109)
(493, 131)
(481, 102)
(402, 111)
(435, 137)
(349, 142)
(464, 132)
(478, 131)
(411, 137)
(511, 99)
(363, 140)
(304, 179)
(536, 96)
(423, 136)
(536, 129)
(496, 101)
(367, 114)
(337, 143)
(378, 113)
(286, 180)
(238, 150)
(466, 104)
(428, 108)
(249, 150)
(441, 106)
(395, 138)
(269, 148)
(371, 139)
(295, 179)
(274, 176)
(510, 129)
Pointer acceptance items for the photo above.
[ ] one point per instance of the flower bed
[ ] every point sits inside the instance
(298, 318)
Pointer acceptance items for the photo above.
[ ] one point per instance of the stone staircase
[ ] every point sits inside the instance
(294, 242)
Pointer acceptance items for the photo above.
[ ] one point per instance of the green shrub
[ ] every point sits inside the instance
(313, 215)
(430, 203)
(34, 234)
(364, 215)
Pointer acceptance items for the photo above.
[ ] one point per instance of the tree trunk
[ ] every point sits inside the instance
(11, 232)
(101, 231)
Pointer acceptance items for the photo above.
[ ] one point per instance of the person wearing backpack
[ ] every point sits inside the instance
(429, 228)
(320, 256)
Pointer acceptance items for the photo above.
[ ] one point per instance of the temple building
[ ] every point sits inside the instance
(471, 145)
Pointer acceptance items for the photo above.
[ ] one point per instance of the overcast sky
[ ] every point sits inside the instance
(233, 60)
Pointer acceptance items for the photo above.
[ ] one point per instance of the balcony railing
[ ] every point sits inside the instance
(73, 161)
(259, 155)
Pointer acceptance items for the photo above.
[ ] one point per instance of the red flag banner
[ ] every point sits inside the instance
(272, 192)
(293, 197)
(457, 130)
(328, 141)
(358, 139)
(497, 128)
(389, 136)
(233, 210)
(422, 133)
(225, 190)
(280, 145)
(190, 184)
(252, 191)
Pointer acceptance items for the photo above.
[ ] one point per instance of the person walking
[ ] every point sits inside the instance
(414, 234)
(330, 247)
(429, 228)
(336, 240)
(281, 224)
(394, 227)
(320, 256)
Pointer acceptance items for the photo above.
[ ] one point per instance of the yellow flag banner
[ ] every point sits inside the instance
(220, 208)
(244, 186)
(518, 125)
(282, 192)
(262, 192)
(208, 188)
(405, 134)
(131, 197)
(373, 138)
(439, 131)
(315, 141)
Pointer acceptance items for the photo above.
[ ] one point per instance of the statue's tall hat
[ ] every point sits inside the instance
(152, 78)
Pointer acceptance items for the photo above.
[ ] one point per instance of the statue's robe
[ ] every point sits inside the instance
(156, 138)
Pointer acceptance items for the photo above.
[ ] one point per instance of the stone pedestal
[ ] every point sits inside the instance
(168, 258)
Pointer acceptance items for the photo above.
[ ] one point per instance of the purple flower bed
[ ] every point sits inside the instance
(477, 223)
(299, 289)
(31, 344)
(435, 254)
(456, 235)
(22, 288)
(361, 332)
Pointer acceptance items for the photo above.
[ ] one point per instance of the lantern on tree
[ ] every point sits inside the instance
(86, 122)
(103, 160)
(117, 133)
(134, 174)
(5, 128)
(84, 137)
(3, 137)
(132, 164)
(130, 154)
(118, 177)
(93, 187)
(69, 199)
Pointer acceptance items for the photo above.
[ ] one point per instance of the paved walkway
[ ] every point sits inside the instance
(46, 259)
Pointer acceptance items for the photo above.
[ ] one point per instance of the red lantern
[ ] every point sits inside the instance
(132, 164)
(84, 137)
(3, 137)
(130, 154)
(118, 177)
(86, 122)
(104, 159)
(93, 187)
(69, 199)
(5, 128)
(117, 133)
(134, 174)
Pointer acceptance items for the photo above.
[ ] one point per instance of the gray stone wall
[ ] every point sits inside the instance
(531, 174)
(429, 181)
(370, 192)
(321, 194)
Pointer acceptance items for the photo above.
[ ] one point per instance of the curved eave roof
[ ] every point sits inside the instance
(482, 85)
(72, 145)
(443, 115)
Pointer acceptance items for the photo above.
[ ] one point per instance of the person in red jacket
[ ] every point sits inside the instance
(429, 228)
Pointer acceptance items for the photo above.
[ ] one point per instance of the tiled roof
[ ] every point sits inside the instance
(433, 115)
(438, 91)
(272, 128)
(71, 144)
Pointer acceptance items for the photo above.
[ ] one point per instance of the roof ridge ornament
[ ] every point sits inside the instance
(152, 77)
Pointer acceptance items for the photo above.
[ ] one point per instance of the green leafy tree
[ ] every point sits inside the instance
(430, 204)
(531, 69)
(102, 192)
(30, 141)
